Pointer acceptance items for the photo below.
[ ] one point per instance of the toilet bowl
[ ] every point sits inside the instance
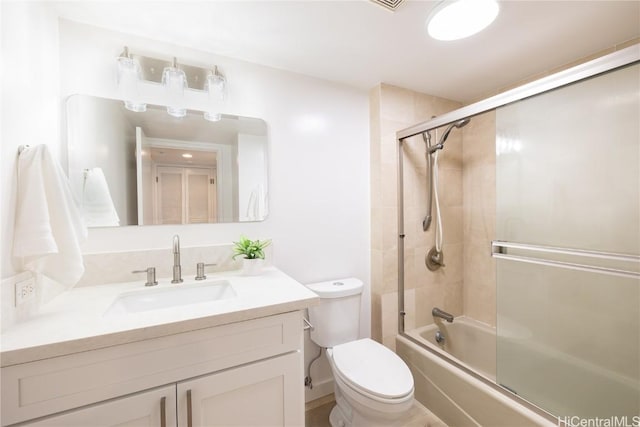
(373, 386)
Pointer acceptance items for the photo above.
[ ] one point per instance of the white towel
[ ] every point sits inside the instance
(97, 205)
(257, 205)
(48, 224)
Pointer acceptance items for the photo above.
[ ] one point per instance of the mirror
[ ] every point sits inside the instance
(129, 168)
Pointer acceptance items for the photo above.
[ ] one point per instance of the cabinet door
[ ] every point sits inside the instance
(153, 408)
(266, 393)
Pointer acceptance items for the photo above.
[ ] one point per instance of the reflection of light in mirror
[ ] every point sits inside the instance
(310, 123)
(507, 145)
(187, 155)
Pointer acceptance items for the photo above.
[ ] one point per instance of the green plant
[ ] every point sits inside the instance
(251, 249)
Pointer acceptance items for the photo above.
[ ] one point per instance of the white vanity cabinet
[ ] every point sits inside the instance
(246, 373)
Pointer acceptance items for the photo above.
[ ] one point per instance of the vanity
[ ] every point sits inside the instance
(225, 351)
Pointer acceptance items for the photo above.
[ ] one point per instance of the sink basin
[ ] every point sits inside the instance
(174, 296)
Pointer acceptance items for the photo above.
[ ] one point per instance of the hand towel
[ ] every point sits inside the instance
(48, 225)
(97, 205)
(257, 205)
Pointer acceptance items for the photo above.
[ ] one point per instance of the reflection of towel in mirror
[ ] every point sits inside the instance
(97, 205)
(48, 225)
(257, 205)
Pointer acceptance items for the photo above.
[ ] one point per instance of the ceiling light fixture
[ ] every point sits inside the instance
(457, 19)
(187, 155)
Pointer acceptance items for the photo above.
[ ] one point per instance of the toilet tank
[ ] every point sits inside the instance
(336, 320)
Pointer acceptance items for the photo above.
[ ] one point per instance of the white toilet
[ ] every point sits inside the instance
(373, 386)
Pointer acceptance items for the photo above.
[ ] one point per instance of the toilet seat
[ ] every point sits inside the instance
(372, 370)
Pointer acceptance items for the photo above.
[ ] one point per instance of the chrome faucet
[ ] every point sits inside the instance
(436, 312)
(177, 269)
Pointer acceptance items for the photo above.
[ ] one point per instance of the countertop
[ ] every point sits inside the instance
(74, 321)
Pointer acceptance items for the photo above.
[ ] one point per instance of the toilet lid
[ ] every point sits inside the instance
(374, 368)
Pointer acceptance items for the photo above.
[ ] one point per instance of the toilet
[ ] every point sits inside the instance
(373, 386)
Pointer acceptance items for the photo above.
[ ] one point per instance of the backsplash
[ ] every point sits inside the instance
(113, 267)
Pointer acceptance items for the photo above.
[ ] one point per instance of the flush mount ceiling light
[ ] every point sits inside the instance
(457, 19)
(175, 78)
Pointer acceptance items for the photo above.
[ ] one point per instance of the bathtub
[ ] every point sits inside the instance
(470, 342)
(457, 397)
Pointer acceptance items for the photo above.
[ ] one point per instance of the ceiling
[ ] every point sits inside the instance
(360, 44)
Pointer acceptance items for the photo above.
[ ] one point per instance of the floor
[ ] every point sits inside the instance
(418, 416)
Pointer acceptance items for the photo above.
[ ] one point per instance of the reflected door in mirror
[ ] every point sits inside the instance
(185, 195)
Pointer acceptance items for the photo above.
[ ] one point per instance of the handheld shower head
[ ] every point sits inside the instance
(459, 124)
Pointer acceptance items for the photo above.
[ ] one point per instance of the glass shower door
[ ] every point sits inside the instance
(568, 247)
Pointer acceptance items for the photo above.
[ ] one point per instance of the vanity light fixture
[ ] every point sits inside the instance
(129, 76)
(216, 87)
(457, 19)
(175, 78)
(174, 81)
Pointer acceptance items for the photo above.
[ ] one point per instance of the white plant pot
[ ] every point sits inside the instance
(252, 267)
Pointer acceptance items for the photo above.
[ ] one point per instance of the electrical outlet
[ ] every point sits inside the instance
(25, 290)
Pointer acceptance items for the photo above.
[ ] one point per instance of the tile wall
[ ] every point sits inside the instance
(466, 190)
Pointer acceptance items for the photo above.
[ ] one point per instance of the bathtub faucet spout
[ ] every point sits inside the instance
(436, 312)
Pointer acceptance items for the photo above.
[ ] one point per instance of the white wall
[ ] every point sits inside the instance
(30, 99)
(318, 152)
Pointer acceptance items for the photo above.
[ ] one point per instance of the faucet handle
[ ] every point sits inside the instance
(151, 276)
(200, 270)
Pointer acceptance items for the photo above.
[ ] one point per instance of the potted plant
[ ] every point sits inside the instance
(252, 252)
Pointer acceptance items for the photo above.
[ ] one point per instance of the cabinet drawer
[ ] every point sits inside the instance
(49, 386)
(153, 408)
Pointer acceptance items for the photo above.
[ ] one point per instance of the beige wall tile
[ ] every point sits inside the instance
(389, 270)
(397, 103)
(393, 109)
(376, 317)
(451, 224)
(376, 271)
(389, 313)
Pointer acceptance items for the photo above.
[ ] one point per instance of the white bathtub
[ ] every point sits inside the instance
(455, 396)
(471, 342)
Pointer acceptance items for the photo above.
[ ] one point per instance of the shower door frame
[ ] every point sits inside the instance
(604, 64)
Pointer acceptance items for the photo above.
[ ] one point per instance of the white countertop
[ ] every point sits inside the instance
(75, 321)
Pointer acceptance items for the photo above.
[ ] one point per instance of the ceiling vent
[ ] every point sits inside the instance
(389, 4)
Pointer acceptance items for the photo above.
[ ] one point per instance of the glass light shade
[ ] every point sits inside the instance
(457, 19)
(174, 81)
(129, 77)
(216, 87)
(212, 117)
